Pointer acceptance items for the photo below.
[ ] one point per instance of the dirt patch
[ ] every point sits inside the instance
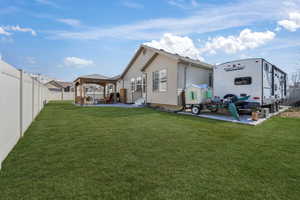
(293, 112)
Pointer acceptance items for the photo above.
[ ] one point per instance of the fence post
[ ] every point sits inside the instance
(21, 103)
(32, 98)
(39, 96)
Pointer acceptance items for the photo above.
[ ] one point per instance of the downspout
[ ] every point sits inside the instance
(146, 88)
(184, 86)
(185, 78)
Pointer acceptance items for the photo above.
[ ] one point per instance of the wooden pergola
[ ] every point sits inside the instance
(93, 79)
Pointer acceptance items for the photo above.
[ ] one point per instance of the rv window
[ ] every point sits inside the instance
(266, 67)
(210, 79)
(243, 81)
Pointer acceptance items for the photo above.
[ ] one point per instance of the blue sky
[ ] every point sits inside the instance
(67, 38)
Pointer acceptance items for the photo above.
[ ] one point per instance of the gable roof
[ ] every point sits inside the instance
(94, 76)
(177, 57)
(98, 77)
(60, 84)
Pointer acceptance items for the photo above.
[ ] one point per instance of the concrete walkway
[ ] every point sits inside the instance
(244, 119)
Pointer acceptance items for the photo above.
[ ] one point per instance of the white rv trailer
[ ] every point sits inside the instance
(265, 83)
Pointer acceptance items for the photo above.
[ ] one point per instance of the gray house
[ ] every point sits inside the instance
(158, 77)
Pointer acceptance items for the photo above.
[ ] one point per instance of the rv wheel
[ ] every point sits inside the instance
(196, 110)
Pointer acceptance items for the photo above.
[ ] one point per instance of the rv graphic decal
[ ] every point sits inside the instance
(230, 68)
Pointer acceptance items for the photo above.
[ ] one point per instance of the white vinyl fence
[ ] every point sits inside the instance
(60, 95)
(21, 100)
(294, 95)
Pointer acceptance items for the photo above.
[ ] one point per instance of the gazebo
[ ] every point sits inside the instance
(104, 81)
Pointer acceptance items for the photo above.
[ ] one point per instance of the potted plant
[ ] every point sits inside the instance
(255, 114)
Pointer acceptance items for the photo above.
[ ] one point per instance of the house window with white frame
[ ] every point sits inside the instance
(139, 84)
(132, 84)
(144, 83)
(159, 80)
(155, 80)
(163, 80)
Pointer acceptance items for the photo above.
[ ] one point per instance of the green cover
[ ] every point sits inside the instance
(208, 94)
(233, 111)
(192, 95)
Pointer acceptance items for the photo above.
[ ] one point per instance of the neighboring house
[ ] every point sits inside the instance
(159, 77)
(60, 90)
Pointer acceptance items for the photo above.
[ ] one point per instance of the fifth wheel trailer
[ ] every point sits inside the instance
(265, 83)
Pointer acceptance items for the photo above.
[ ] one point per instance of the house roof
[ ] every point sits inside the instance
(94, 76)
(60, 84)
(179, 58)
(65, 84)
(98, 78)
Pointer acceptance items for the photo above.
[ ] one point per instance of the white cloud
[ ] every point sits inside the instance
(47, 3)
(247, 39)
(19, 29)
(184, 4)
(209, 19)
(77, 62)
(183, 46)
(70, 22)
(6, 40)
(30, 60)
(130, 4)
(291, 24)
(4, 32)
(8, 10)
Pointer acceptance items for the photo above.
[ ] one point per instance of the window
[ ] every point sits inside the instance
(192, 96)
(266, 67)
(163, 79)
(155, 80)
(159, 80)
(67, 89)
(138, 83)
(243, 81)
(55, 89)
(144, 83)
(132, 84)
(210, 80)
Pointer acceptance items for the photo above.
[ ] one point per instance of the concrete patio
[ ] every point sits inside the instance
(244, 119)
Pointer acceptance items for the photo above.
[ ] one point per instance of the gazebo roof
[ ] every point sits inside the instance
(97, 78)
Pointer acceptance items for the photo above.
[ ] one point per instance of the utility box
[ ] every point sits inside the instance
(123, 96)
(197, 94)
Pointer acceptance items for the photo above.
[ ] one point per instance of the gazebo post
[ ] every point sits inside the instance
(75, 92)
(104, 90)
(81, 96)
(115, 92)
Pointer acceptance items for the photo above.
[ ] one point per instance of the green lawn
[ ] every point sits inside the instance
(80, 153)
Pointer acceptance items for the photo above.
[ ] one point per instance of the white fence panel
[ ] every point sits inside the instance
(27, 113)
(35, 99)
(21, 99)
(55, 95)
(9, 108)
(294, 95)
(68, 95)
